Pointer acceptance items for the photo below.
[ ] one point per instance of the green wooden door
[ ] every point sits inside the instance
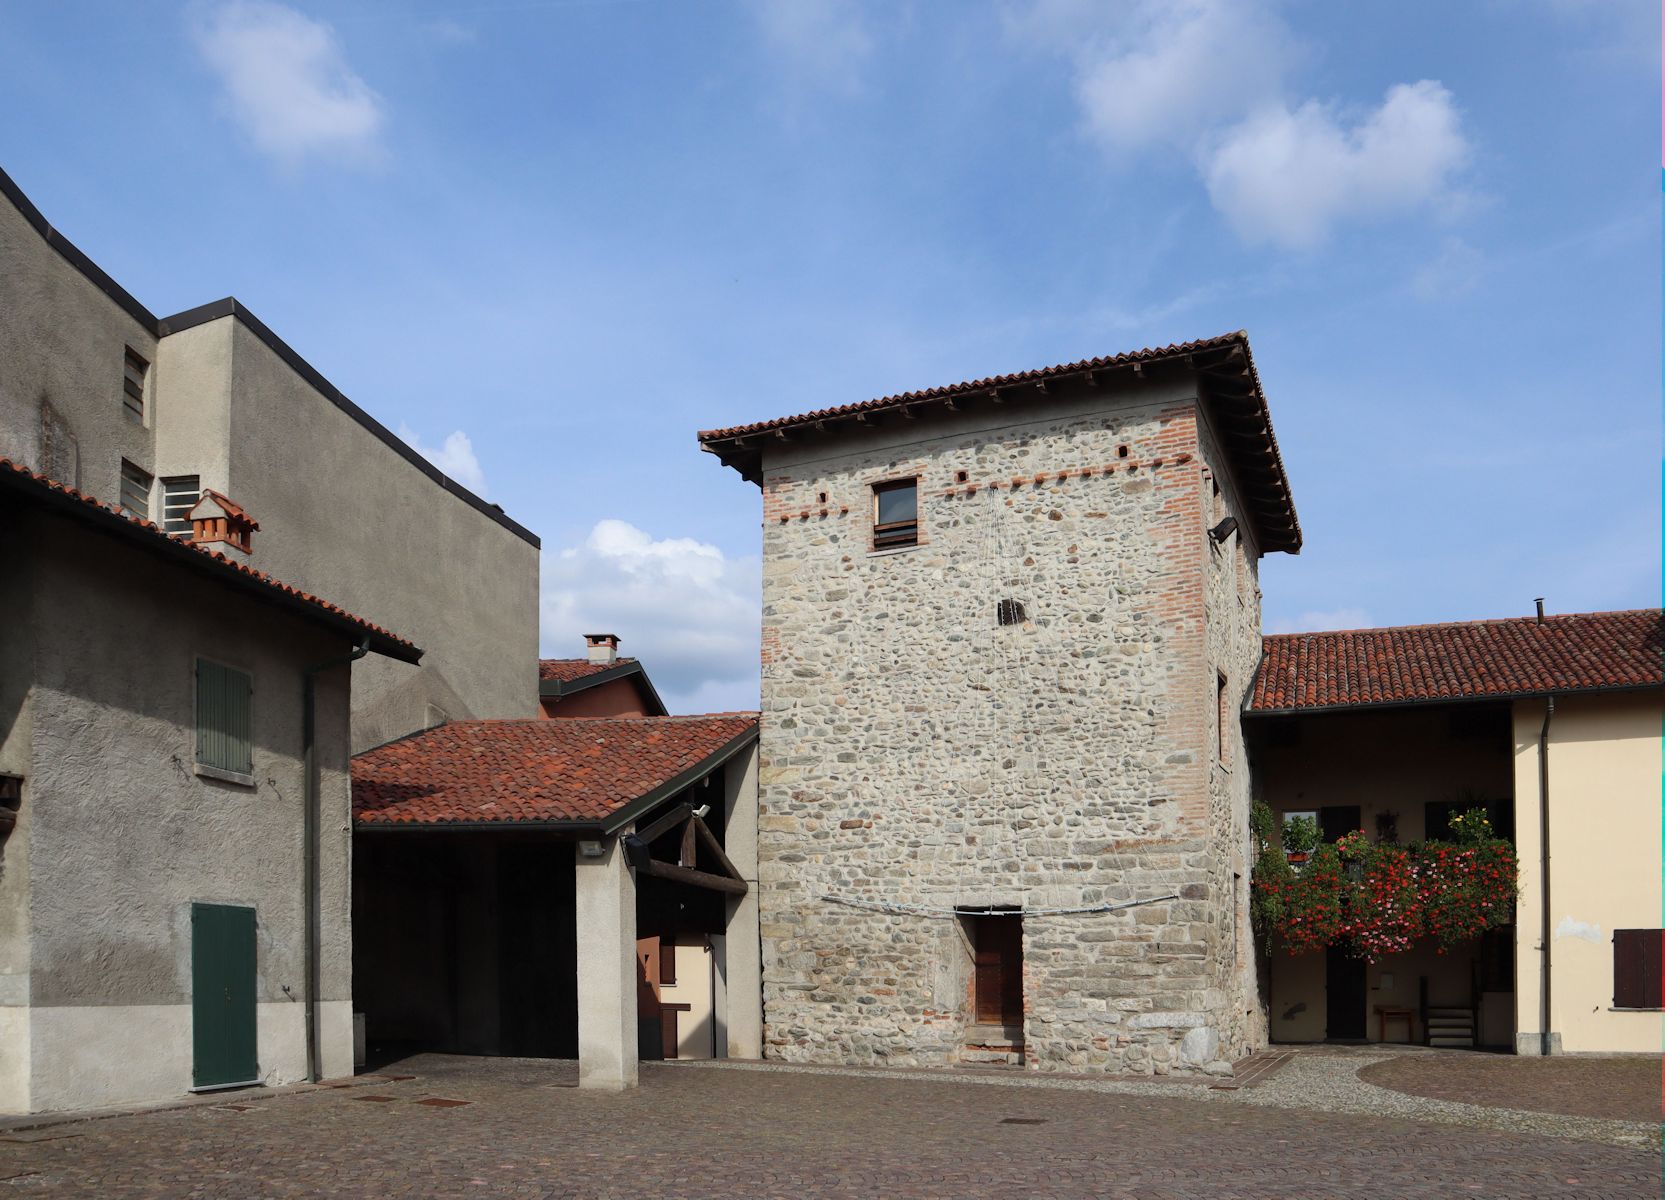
(222, 995)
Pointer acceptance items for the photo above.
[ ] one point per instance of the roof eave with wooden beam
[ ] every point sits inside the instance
(1230, 388)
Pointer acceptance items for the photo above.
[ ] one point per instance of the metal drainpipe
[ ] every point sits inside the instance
(1543, 836)
(309, 825)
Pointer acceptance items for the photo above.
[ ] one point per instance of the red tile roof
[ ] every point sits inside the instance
(1518, 656)
(1234, 392)
(506, 772)
(565, 670)
(114, 519)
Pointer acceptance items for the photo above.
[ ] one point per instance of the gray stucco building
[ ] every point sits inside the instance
(154, 839)
(99, 393)
(1007, 629)
(166, 836)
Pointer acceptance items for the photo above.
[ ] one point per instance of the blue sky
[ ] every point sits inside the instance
(553, 240)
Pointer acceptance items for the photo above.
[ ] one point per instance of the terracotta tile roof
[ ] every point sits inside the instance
(1518, 656)
(113, 519)
(1239, 405)
(565, 670)
(506, 772)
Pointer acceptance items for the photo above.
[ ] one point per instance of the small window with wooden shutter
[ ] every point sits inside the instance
(895, 514)
(133, 385)
(1637, 968)
(225, 703)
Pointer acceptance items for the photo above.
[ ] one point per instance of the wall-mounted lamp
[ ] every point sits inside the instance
(592, 849)
(1224, 529)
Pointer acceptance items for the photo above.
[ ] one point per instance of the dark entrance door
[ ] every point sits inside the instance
(999, 970)
(1338, 820)
(222, 996)
(1344, 995)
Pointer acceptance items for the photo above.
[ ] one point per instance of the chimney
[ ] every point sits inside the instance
(216, 520)
(604, 647)
(1540, 603)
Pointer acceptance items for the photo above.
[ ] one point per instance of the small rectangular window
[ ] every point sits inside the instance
(135, 490)
(180, 494)
(1222, 719)
(667, 962)
(225, 701)
(896, 514)
(1637, 966)
(133, 385)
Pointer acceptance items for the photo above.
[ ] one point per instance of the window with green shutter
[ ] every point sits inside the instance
(225, 700)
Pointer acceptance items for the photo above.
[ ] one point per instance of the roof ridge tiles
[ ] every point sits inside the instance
(1479, 622)
(1460, 660)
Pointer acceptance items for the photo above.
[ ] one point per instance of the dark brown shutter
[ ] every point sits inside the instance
(1637, 966)
(999, 971)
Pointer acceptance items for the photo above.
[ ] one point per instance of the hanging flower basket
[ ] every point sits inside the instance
(1378, 898)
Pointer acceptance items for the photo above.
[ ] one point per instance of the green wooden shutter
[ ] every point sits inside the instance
(224, 707)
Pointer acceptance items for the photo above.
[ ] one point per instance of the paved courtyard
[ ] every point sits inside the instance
(455, 1127)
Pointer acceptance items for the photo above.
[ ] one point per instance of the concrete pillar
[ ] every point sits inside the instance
(606, 914)
(738, 954)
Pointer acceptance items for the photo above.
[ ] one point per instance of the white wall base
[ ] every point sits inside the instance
(14, 1060)
(104, 1056)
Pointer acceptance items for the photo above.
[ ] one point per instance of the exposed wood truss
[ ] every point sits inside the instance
(695, 834)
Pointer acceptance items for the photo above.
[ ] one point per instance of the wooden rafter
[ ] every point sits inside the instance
(695, 832)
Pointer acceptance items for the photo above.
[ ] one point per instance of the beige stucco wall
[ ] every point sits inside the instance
(693, 988)
(123, 836)
(1397, 761)
(1604, 787)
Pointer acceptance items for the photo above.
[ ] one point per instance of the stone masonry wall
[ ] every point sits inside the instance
(914, 751)
(1233, 609)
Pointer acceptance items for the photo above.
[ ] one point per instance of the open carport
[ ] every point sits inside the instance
(578, 888)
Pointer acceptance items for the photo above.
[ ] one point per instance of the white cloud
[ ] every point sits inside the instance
(1312, 622)
(689, 612)
(1288, 176)
(455, 457)
(1209, 80)
(289, 83)
(1176, 68)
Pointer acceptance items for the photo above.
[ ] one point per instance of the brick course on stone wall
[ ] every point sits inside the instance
(917, 752)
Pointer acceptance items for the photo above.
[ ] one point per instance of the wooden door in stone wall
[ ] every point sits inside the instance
(999, 971)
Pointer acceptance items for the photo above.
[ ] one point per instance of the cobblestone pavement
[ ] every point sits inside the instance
(523, 1129)
(1623, 1089)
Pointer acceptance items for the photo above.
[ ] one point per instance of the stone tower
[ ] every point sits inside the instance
(1007, 629)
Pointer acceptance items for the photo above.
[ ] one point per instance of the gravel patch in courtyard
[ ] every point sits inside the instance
(1613, 1087)
(1319, 1079)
